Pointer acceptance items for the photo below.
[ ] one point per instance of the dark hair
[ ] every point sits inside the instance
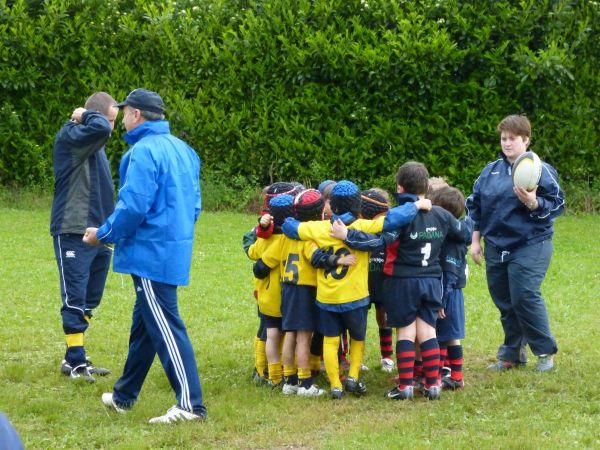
(516, 124)
(413, 177)
(449, 198)
(101, 102)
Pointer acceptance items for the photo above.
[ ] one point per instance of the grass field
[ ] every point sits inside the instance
(520, 409)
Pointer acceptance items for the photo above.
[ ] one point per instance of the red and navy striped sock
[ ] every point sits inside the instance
(385, 342)
(418, 370)
(430, 353)
(405, 357)
(455, 359)
(443, 357)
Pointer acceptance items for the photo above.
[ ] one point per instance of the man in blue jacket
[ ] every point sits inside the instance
(83, 197)
(152, 228)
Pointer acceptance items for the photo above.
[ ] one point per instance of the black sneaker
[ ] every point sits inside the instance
(433, 392)
(337, 393)
(354, 386)
(65, 368)
(82, 372)
(407, 393)
(100, 371)
(453, 385)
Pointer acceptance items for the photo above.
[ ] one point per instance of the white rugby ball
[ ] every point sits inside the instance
(527, 170)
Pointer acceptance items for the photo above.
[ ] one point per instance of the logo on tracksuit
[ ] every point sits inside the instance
(70, 254)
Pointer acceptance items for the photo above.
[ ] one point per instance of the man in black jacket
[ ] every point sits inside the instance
(83, 197)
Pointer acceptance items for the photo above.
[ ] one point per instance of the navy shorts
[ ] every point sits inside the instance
(272, 322)
(334, 323)
(405, 299)
(298, 308)
(376, 290)
(261, 333)
(453, 325)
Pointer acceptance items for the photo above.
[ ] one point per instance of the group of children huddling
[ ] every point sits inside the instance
(323, 256)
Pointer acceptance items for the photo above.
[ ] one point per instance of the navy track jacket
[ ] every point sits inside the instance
(83, 185)
(499, 215)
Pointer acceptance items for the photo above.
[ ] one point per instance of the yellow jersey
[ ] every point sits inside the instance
(268, 289)
(293, 258)
(344, 284)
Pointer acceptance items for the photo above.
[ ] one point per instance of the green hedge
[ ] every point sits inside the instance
(311, 89)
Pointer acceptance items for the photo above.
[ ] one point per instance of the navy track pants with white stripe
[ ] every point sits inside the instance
(157, 328)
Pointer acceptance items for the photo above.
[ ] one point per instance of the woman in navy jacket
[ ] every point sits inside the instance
(517, 228)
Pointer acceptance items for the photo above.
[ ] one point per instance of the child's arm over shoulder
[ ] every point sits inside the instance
(260, 269)
(404, 214)
(323, 259)
(248, 239)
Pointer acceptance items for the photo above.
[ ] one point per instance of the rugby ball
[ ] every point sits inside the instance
(527, 170)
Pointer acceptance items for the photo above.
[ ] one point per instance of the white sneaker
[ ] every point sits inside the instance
(387, 365)
(176, 414)
(312, 391)
(364, 368)
(107, 399)
(289, 389)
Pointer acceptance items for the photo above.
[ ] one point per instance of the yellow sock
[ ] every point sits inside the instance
(303, 373)
(288, 371)
(357, 352)
(330, 356)
(275, 373)
(315, 362)
(260, 356)
(74, 340)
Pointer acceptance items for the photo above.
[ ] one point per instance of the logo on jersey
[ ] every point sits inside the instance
(70, 254)
(495, 173)
(428, 234)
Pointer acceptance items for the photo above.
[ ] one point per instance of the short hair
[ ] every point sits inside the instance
(436, 183)
(150, 115)
(327, 190)
(101, 102)
(413, 177)
(517, 124)
(449, 198)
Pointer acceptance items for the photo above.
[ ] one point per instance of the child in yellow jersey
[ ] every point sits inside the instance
(298, 309)
(269, 288)
(264, 230)
(342, 293)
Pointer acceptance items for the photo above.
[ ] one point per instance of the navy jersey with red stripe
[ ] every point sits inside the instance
(416, 252)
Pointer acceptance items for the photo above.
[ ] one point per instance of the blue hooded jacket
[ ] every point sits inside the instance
(499, 215)
(158, 203)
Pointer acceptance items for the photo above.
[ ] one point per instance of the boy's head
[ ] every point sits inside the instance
(436, 183)
(449, 198)
(374, 201)
(308, 205)
(516, 124)
(281, 207)
(345, 197)
(278, 188)
(413, 178)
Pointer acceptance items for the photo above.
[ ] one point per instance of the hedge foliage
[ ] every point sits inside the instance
(311, 89)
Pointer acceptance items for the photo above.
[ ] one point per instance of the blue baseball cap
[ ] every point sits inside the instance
(145, 100)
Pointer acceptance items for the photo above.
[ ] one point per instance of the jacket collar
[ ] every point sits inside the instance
(149, 127)
(405, 198)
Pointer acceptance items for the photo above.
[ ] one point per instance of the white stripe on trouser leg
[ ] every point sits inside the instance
(169, 340)
(62, 276)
